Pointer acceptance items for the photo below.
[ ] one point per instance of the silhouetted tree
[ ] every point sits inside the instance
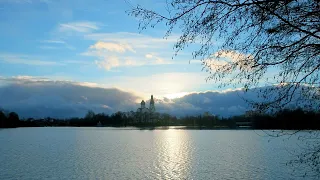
(255, 36)
(13, 119)
(90, 115)
(117, 118)
(3, 120)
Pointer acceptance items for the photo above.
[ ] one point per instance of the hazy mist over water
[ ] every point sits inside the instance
(109, 153)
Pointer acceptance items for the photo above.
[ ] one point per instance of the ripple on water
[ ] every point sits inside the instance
(103, 153)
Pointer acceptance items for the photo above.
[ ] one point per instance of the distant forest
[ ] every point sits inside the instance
(286, 119)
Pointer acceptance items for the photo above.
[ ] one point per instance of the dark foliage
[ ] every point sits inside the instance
(285, 120)
(10, 121)
(241, 42)
(272, 43)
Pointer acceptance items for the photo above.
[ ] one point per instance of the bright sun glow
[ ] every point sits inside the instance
(176, 95)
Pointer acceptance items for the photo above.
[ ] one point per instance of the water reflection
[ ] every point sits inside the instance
(102, 153)
(173, 155)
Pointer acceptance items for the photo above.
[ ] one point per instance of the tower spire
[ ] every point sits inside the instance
(152, 108)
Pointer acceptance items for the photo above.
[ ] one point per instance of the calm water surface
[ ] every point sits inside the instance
(106, 153)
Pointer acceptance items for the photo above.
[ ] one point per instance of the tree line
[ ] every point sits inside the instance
(296, 119)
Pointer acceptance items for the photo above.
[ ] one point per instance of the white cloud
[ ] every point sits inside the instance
(55, 44)
(245, 61)
(19, 79)
(78, 62)
(108, 62)
(82, 27)
(54, 41)
(130, 62)
(26, 59)
(106, 106)
(159, 60)
(134, 48)
(149, 56)
(137, 41)
(116, 47)
(225, 60)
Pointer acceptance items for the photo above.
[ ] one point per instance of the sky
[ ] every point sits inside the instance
(61, 58)
(95, 42)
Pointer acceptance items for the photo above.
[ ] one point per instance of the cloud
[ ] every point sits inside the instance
(54, 41)
(33, 97)
(220, 103)
(137, 41)
(81, 27)
(149, 56)
(108, 62)
(157, 59)
(42, 97)
(231, 55)
(26, 59)
(115, 47)
(78, 62)
(23, 79)
(55, 44)
(224, 59)
(131, 49)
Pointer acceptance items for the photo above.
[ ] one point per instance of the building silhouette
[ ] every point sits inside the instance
(146, 115)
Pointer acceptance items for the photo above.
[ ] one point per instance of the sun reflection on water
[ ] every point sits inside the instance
(174, 155)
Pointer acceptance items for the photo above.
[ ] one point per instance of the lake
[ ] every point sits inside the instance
(111, 153)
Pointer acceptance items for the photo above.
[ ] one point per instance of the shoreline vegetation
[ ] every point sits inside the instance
(296, 119)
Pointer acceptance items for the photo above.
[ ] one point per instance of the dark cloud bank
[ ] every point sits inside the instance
(62, 99)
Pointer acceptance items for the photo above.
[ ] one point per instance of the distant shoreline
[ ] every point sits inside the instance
(285, 119)
(162, 128)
